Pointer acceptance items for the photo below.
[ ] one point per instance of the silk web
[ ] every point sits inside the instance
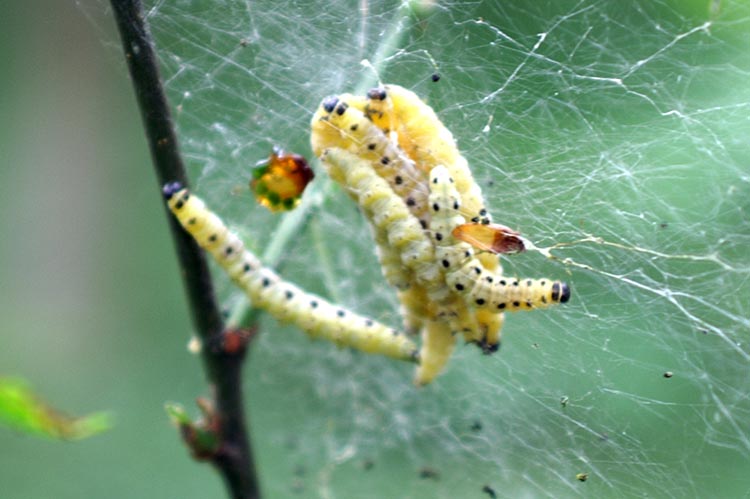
(613, 135)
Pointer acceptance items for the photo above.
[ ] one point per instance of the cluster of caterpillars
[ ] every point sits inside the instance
(397, 160)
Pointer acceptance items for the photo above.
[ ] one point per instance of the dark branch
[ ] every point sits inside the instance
(223, 366)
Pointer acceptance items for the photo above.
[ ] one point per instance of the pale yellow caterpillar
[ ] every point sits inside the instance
(387, 212)
(424, 138)
(394, 271)
(283, 300)
(339, 124)
(466, 275)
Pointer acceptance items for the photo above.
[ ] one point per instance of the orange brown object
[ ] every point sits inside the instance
(494, 238)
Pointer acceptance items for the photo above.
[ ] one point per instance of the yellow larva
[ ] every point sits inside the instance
(465, 274)
(283, 300)
(394, 271)
(424, 138)
(337, 124)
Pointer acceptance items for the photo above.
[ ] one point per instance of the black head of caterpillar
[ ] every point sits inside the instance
(170, 189)
(377, 93)
(329, 103)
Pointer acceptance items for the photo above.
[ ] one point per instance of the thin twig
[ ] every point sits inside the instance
(223, 366)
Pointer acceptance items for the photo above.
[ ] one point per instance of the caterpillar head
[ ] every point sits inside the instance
(170, 189)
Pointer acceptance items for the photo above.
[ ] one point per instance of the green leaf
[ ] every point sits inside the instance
(22, 410)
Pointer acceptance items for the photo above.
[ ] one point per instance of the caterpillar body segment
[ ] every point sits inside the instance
(438, 341)
(339, 124)
(394, 271)
(415, 308)
(465, 274)
(283, 300)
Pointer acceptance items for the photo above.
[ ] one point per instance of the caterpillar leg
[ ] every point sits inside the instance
(490, 324)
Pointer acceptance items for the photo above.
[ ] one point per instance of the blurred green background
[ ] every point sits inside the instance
(625, 122)
(92, 310)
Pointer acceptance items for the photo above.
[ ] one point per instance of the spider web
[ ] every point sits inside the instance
(613, 137)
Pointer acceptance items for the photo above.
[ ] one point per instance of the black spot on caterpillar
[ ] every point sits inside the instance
(283, 300)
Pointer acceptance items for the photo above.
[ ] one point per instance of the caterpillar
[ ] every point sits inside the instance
(425, 139)
(464, 272)
(283, 300)
(339, 124)
(387, 212)
(334, 128)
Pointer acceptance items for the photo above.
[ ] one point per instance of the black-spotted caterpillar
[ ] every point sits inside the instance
(423, 137)
(283, 300)
(465, 274)
(340, 123)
